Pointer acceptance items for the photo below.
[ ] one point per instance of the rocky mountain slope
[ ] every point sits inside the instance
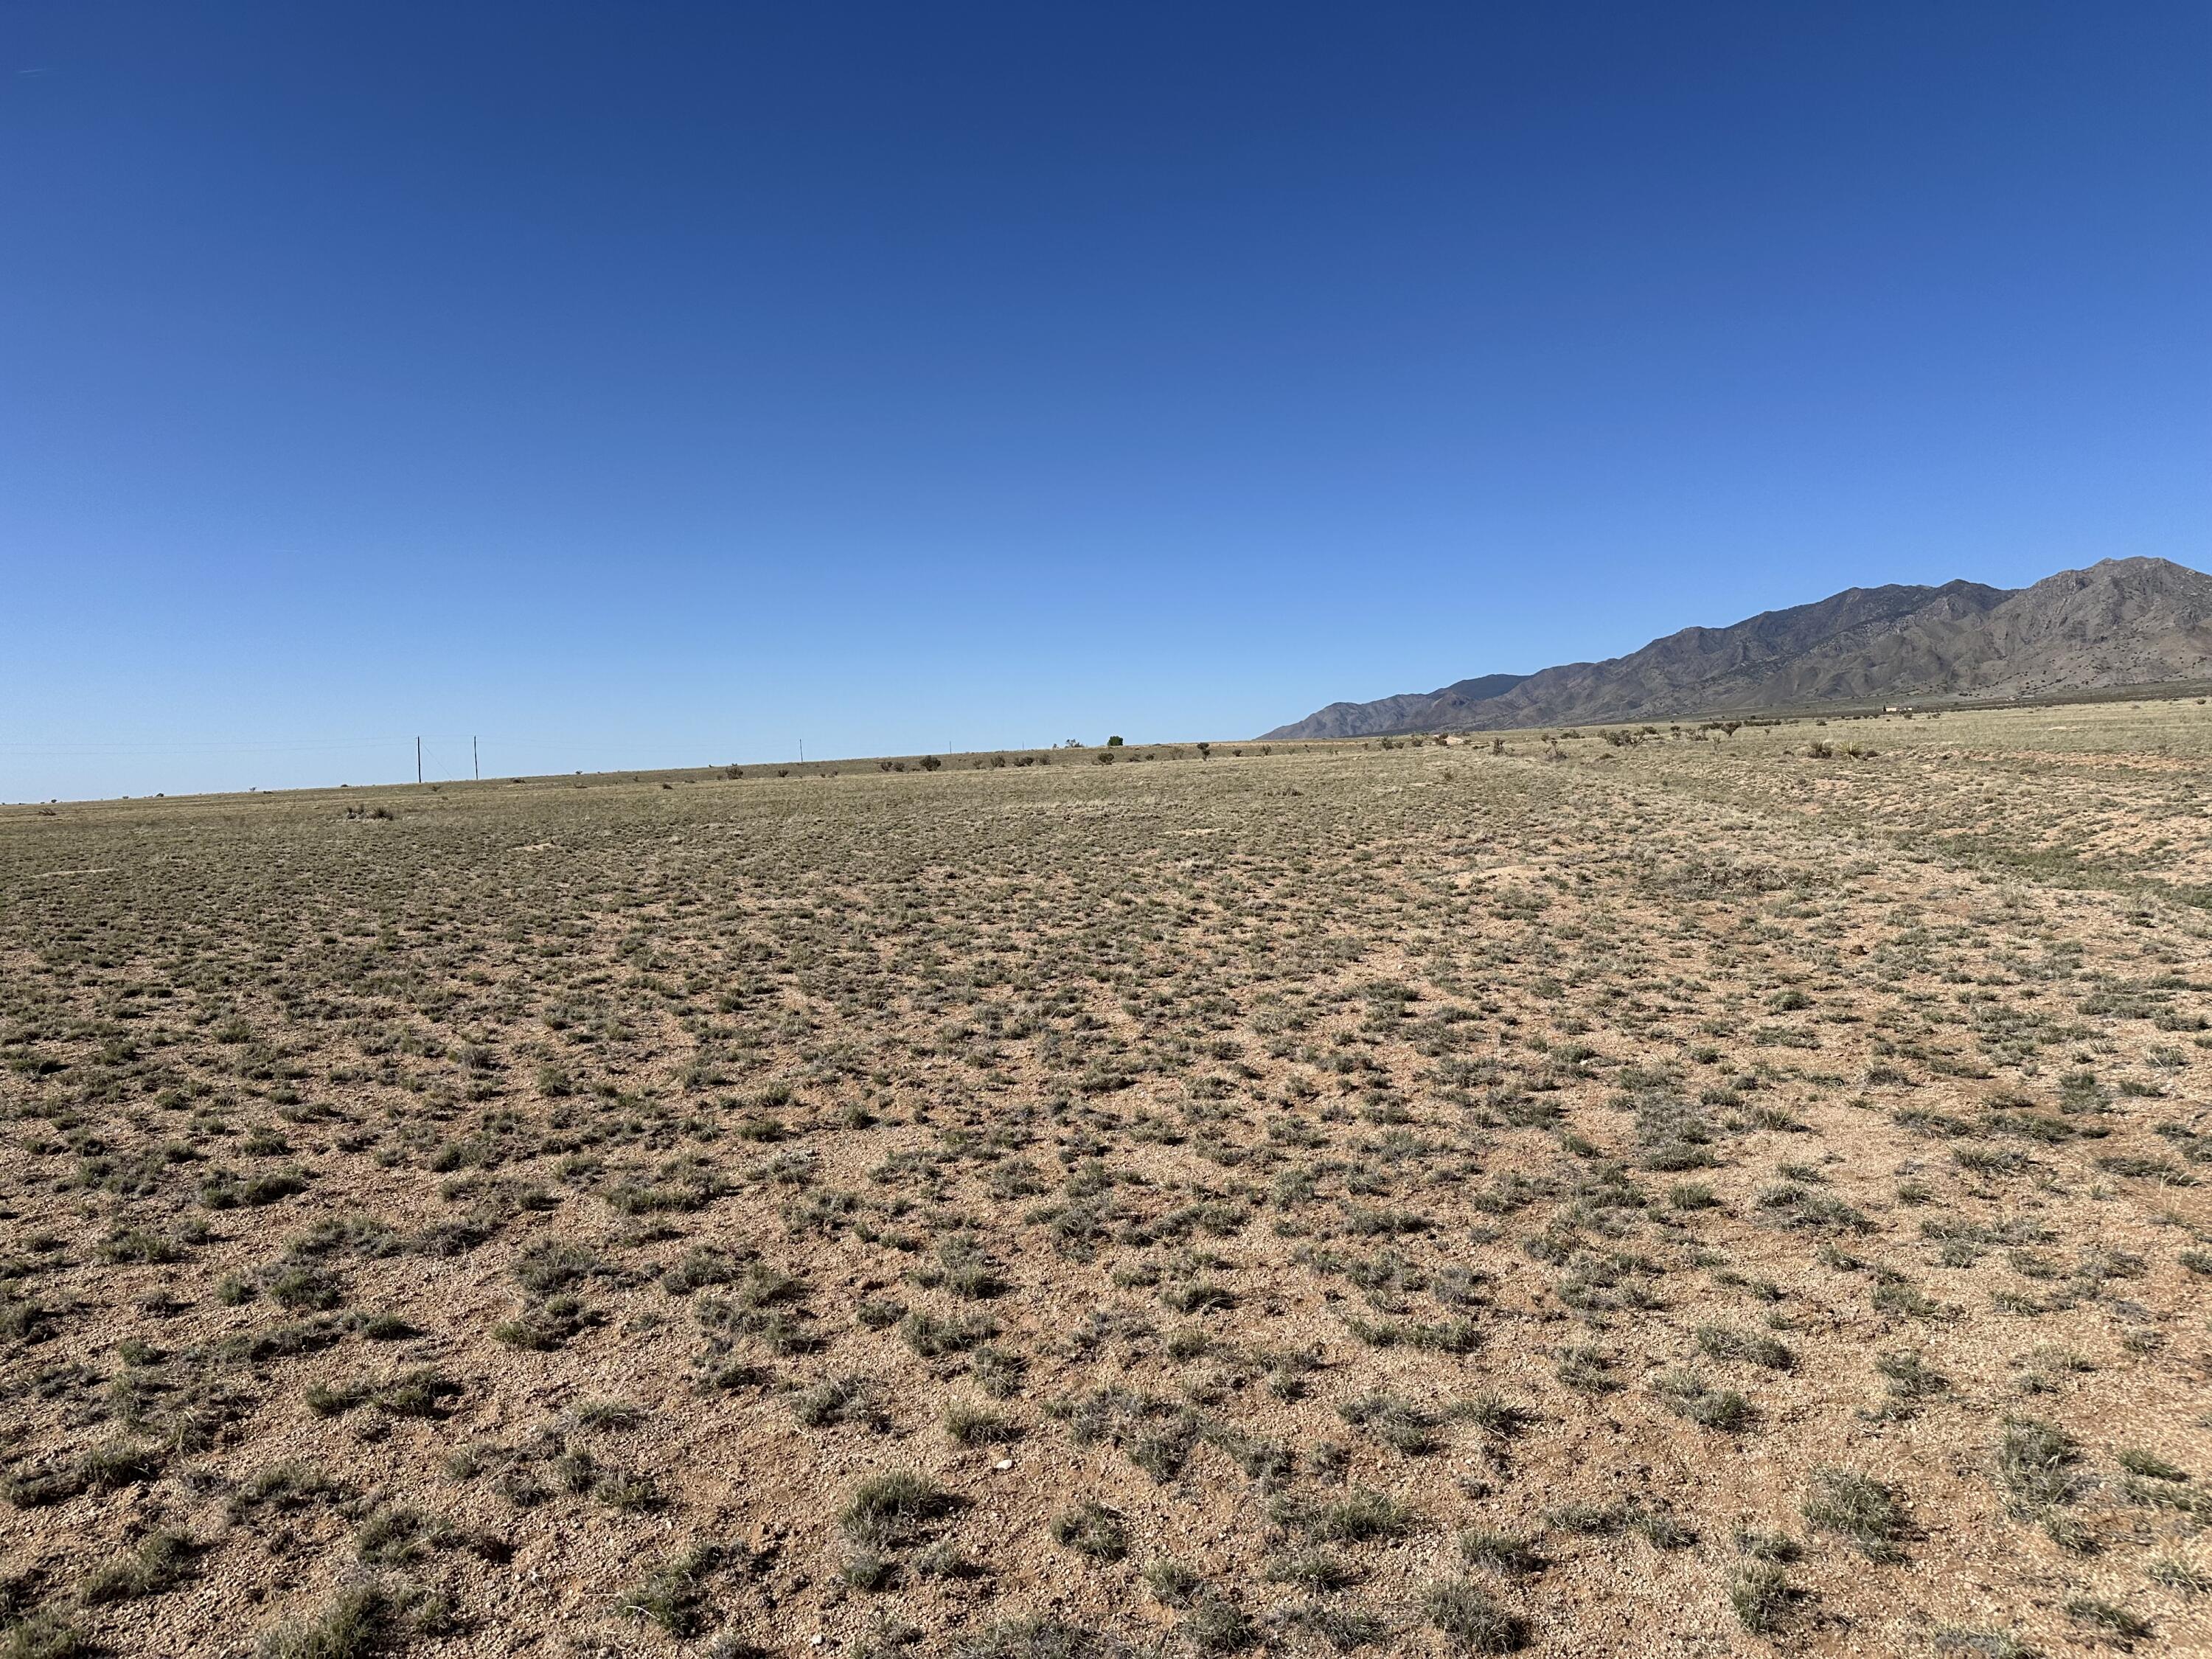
(2121, 621)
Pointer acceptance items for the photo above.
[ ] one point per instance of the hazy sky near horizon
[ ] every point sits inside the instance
(663, 385)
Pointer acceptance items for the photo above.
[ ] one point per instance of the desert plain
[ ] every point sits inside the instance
(1652, 1190)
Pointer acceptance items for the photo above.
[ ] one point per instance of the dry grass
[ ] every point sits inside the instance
(1696, 1191)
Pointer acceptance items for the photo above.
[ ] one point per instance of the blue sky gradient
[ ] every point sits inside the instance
(662, 385)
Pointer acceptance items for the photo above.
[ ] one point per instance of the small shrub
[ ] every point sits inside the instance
(1091, 1529)
(284, 1487)
(879, 1313)
(1361, 1517)
(134, 1245)
(673, 1594)
(420, 1393)
(974, 1425)
(629, 1491)
(394, 1536)
(2179, 1576)
(998, 1372)
(1397, 1423)
(2150, 1466)
(2107, 1617)
(1761, 1594)
(358, 1623)
(1471, 1618)
(850, 1399)
(866, 1569)
(44, 1635)
(1215, 1625)
(1172, 1582)
(556, 1264)
(932, 1337)
(1312, 1569)
(2036, 1460)
(894, 1508)
(1504, 1552)
(162, 1561)
(1690, 1397)
(1861, 1509)
(1346, 1628)
(1719, 1342)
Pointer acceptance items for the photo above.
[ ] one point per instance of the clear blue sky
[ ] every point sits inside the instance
(663, 384)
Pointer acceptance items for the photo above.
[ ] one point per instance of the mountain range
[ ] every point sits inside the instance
(2121, 621)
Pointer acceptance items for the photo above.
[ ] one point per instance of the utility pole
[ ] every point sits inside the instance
(418, 760)
(475, 765)
(802, 751)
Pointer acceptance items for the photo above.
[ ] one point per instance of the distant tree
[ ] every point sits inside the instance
(1113, 742)
(1205, 751)
(930, 762)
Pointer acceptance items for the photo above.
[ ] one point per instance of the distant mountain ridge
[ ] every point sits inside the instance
(2121, 621)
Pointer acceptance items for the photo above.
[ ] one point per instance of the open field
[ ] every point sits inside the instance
(1688, 1196)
